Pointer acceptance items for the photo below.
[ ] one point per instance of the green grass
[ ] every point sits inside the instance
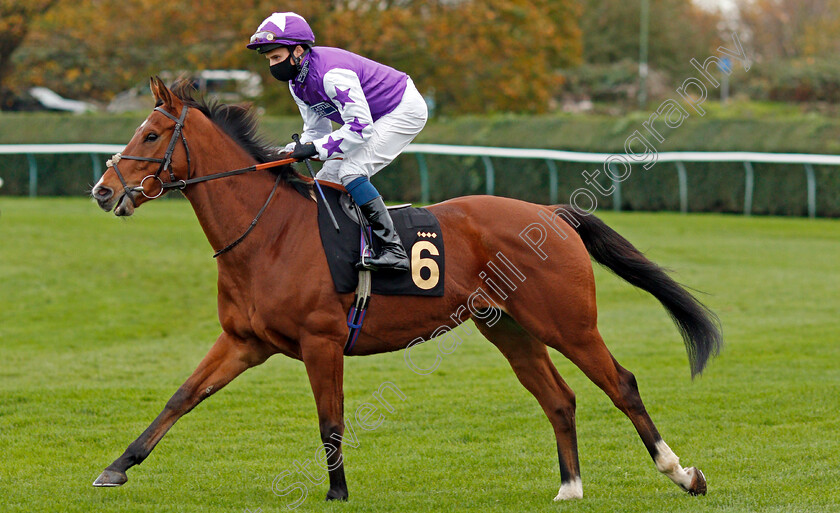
(102, 319)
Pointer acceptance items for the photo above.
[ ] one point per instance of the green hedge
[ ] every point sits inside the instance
(779, 190)
(806, 80)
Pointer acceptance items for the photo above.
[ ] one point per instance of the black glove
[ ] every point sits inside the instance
(304, 151)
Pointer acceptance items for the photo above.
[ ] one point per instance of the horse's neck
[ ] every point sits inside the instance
(226, 207)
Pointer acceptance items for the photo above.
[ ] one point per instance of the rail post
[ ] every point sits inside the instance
(552, 182)
(33, 175)
(682, 176)
(749, 186)
(812, 190)
(97, 167)
(616, 189)
(490, 175)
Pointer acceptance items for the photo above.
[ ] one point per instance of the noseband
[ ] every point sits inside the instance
(165, 162)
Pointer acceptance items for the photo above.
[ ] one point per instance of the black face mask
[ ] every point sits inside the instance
(285, 70)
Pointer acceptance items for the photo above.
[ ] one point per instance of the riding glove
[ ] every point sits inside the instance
(304, 151)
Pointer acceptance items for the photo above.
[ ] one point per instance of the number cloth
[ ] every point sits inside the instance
(420, 232)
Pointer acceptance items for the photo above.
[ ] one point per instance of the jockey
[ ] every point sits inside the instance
(379, 109)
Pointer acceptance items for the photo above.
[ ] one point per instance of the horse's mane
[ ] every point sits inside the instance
(239, 122)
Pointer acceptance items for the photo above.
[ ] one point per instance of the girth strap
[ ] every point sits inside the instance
(356, 317)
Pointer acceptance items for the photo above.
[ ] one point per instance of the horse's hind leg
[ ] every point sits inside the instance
(228, 358)
(587, 350)
(530, 361)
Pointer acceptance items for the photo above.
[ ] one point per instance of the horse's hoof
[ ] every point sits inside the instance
(570, 490)
(110, 478)
(337, 495)
(698, 481)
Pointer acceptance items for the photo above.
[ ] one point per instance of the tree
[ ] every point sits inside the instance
(679, 30)
(786, 29)
(97, 48)
(16, 17)
(797, 44)
(493, 55)
(474, 56)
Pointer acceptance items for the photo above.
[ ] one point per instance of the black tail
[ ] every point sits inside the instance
(699, 326)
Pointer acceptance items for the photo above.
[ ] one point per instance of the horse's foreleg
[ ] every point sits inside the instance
(530, 361)
(324, 362)
(228, 358)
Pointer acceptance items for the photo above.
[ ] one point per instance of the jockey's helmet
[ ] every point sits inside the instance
(281, 29)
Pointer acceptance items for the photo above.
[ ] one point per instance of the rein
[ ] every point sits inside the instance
(175, 183)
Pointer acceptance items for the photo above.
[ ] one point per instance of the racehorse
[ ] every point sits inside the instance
(265, 308)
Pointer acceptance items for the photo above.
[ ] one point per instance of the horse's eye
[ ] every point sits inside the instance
(151, 137)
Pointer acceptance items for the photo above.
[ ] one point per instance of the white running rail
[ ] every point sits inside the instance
(678, 158)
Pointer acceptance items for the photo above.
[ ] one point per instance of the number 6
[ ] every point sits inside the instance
(418, 263)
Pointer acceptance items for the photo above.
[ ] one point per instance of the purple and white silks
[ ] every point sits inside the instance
(340, 86)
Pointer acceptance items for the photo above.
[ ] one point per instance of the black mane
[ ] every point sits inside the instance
(240, 123)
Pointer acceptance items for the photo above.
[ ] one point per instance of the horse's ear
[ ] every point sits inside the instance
(162, 93)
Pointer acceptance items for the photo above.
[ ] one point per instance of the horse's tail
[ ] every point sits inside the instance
(698, 325)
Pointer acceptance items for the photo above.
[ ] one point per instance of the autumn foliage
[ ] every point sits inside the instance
(16, 18)
(472, 56)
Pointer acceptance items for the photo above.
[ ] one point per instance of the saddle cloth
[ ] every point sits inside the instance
(419, 231)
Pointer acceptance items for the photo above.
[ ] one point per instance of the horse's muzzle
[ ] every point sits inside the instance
(125, 204)
(122, 204)
(104, 196)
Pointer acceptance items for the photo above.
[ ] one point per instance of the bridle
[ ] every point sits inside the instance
(181, 184)
(165, 162)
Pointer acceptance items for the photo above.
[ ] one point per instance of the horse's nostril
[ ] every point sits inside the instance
(103, 193)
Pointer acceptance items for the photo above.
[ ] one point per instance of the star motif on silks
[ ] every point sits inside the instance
(333, 146)
(357, 126)
(342, 97)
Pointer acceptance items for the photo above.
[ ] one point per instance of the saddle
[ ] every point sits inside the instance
(418, 229)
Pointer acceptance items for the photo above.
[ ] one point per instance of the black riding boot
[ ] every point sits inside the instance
(392, 255)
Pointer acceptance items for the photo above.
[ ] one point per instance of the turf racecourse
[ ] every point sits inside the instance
(102, 319)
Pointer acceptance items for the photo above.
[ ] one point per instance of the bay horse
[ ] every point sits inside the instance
(265, 308)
